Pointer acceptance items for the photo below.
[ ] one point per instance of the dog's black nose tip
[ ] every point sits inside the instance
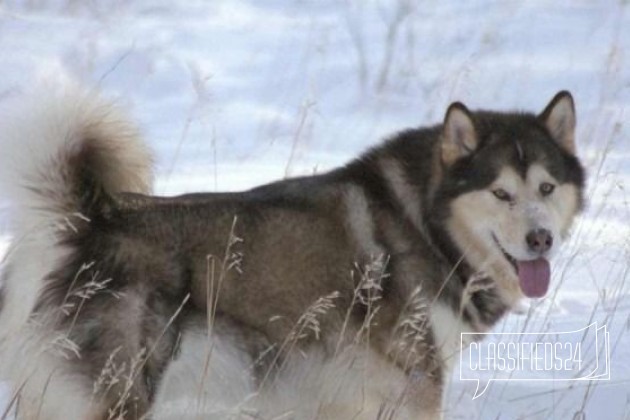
(539, 240)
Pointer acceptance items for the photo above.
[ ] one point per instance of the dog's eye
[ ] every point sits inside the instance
(546, 188)
(502, 195)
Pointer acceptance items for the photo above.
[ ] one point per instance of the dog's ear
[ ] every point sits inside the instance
(459, 137)
(559, 118)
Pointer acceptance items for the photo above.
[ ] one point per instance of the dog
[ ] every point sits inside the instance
(340, 295)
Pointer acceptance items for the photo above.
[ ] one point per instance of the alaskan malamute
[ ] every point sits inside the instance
(334, 296)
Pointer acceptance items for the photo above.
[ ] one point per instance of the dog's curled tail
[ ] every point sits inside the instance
(63, 152)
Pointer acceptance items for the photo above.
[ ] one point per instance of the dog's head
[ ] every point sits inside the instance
(511, 186)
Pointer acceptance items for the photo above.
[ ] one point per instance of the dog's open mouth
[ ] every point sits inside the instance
(533, 275)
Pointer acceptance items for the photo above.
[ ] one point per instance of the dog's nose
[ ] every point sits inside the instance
(539, 240)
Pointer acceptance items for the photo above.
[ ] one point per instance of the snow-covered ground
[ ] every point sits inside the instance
(233, 93)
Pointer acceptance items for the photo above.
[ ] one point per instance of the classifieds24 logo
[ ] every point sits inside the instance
(580, 355)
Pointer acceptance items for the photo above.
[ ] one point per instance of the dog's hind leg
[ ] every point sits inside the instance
(210, 378)
(34, 360)
(45, 386)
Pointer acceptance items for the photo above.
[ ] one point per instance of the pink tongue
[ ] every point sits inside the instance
(534, 276)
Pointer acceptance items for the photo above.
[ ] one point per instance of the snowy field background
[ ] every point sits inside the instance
(234, 93)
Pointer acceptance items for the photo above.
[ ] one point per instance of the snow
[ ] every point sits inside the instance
(235, 93)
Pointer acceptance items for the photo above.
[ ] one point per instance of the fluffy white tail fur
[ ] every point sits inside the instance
(61, 142)
(63, 152)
